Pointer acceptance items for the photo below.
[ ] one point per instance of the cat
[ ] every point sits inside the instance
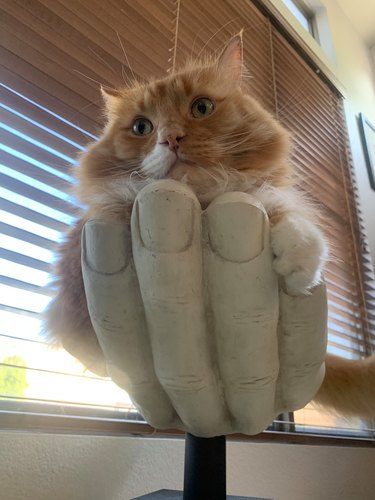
(200, 127)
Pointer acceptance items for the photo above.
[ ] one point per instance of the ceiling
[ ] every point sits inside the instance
(362, 16)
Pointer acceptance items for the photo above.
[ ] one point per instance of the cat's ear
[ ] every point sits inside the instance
(231, 59)
(111, 98)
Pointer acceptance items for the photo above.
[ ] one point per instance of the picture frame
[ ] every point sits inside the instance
(367, 131)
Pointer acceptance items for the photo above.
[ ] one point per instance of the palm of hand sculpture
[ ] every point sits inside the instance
(189, 316)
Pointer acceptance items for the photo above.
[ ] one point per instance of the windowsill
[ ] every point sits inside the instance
(53, 424)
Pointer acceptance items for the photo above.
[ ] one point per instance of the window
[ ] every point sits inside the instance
(308, 22)
(301, 14)
(36, 208)
(52, 60)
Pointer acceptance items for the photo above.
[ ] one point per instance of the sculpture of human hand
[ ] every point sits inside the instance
(190, 316)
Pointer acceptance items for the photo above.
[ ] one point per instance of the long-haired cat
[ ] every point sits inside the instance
(200, 127)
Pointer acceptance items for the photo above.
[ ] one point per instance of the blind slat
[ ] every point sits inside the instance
(45, 160)
(44, 370)
(59, 111)
(28, 169)
(37, 195)
(18, 310)
(30, 48)
(21, 259)
(31, 215)
(22, 106)
(14, 283)
(83, 113)
(34, 131)
(66, 43)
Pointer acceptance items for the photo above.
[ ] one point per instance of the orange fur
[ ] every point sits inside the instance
(349, 386)
(67, 319)
(239, 145)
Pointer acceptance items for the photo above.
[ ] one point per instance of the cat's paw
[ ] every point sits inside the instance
(300, 253)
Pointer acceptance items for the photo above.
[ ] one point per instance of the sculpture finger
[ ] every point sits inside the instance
(243, 298)
(302, 347)
(166, 236)
(116, 312)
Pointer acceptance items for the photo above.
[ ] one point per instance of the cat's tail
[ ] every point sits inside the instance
(349, 386)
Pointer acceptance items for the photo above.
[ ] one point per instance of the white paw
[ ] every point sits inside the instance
(300, 253)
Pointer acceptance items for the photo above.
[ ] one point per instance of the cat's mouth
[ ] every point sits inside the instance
(170, 164)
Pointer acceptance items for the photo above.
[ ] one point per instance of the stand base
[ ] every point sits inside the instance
(178, 495)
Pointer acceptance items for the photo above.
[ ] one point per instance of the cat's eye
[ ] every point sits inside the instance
(202, 107)
(142, 126)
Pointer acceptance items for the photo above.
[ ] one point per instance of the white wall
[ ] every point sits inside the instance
(62, 467)
(355, 69)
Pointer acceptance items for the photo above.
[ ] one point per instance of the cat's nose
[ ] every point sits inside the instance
(172, 140)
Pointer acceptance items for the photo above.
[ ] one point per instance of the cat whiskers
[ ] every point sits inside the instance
(125, 55)
(103, 61)
(93, 80)
(234, 138)
(215, 34)
(231, 145)
(233, 134)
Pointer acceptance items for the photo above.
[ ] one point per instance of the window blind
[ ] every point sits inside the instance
(53, 57)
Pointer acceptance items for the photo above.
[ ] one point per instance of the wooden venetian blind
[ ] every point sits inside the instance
(53, 56)
(287, 84)
(313, 112)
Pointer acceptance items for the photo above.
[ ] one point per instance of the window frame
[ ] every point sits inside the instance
(317, 46)
(301, 12)
(276, 433)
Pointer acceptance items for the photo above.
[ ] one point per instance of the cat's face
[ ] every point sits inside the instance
(189, 126)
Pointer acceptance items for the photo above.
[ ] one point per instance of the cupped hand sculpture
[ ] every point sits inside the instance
(192, 319)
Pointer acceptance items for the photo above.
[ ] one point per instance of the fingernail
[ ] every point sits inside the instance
(165, 213)
(236, 227)
(106, 246)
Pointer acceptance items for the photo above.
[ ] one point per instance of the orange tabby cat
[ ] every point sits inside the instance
(198, 126)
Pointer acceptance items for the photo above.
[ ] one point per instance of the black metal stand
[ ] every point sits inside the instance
(205, 468)
(204, 474)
